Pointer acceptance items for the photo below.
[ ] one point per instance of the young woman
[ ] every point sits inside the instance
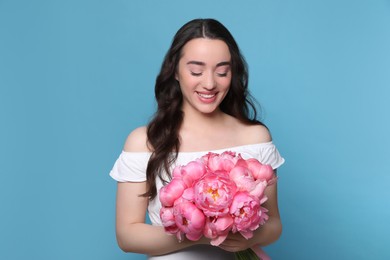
(203, 105)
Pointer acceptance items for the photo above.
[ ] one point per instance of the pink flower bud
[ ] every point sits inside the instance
(171, 192)
(260, 171)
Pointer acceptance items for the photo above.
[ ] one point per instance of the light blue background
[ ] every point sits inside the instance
(77, 76)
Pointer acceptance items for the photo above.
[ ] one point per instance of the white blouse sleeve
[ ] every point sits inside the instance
(130, 167)
(269, 154)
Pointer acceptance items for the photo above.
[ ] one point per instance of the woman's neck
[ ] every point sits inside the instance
(203, 122)
(202, 132)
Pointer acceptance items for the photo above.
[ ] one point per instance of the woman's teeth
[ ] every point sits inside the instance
(206, 95)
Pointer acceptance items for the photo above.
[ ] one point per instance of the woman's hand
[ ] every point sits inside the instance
(235, 242)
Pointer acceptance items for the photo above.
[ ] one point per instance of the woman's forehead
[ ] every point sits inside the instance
(203, 50)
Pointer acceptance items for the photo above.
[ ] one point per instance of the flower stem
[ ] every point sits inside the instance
(248, 254)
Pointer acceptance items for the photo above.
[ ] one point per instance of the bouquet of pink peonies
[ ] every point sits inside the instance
(214, 195)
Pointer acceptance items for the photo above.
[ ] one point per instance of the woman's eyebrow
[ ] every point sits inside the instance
(223, 63)
(201, 63)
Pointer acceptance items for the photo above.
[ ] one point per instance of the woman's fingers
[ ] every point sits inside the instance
(234, 242)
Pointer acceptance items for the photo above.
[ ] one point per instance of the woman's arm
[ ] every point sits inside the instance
(272, 229)
(133, 234)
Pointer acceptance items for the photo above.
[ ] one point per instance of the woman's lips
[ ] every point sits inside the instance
(206, 95)
(207, 98)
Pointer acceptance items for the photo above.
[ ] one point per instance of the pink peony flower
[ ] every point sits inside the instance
(214, 193)
(219, 162)
(246, 182)
(189, 219)
(168, 220)
(260, 171)
(247, 214)
(190, 173)
(171, 192)
(218, 228)
(242, 177)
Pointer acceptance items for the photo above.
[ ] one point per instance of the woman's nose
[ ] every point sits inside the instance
(209, 81)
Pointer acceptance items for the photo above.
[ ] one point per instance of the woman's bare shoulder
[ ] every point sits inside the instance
(257, 134)
(137, 141)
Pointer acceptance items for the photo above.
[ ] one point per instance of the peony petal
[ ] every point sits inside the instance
(246, 234)
(171, 192)
(218, 240)
(258, 189)
(242, 163)
(192, 172)
(265, 173)
(194, 236)
(188, 194)
(177, 171)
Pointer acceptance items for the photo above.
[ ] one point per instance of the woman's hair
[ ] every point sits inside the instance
(163, 129)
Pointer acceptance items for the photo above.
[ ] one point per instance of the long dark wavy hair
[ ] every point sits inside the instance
(163, 129)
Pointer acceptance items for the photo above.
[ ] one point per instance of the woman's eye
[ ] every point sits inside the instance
(222, 74)
(196, 74)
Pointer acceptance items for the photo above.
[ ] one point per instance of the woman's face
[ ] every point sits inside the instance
(204, 74)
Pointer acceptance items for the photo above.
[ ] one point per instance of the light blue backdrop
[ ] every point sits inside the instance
(77, 76)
